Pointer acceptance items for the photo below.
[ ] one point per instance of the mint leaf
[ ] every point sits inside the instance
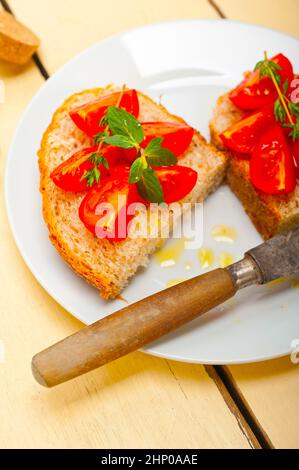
(137, 169)
(120, 141)
(149, 186)
(123, 123)
(158, 155)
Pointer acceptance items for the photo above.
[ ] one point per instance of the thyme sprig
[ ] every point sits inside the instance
(284, 108)
(93, 175)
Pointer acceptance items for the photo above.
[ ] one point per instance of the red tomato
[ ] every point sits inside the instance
(103, 210)
(177, 136)
(242, 136)
(177, 181)
(255, 92)
(68, 175)
(295, 151)
(272, 165)
(112, 221)
(87, 117)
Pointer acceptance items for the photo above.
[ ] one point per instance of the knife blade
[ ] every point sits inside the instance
(153, 317)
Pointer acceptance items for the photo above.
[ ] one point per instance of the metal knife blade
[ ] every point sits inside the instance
(278, 256)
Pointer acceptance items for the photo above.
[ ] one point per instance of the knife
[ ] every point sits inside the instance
(147, 320)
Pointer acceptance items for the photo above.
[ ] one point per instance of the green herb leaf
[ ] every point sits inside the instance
(137, 169)
(123, 123)
(279, 111)
(120, 141)
(100, 136)
(294, 108)
(295, 131)
(103, 120)
(286, 86)
(149, 186)
(259, 65)
(92, 176)
(158, 155)
(104, 161)
(268, 68)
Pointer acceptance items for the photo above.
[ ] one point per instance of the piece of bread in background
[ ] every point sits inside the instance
(105, 264)
(270, 214)
(17, 42)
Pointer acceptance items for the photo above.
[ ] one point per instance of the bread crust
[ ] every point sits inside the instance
(116, 261)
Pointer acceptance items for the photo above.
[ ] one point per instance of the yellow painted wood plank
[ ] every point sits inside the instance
(138, 401)
(271, 389)
(278, 14)
(66, 28)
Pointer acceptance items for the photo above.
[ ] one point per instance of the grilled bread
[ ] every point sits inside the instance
(105, 264)
(271, 214)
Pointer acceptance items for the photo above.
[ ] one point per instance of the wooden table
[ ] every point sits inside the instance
(138, 401)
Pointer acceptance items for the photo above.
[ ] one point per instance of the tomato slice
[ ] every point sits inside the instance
(272, 165)
(103, 210)
(111, 221)
(255, 92)
(177, 136)
(87, 117)
(177, 181)
(294, 145)
(68, 175)
(242, 136)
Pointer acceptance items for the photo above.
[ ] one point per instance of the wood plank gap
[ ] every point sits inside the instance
(217, 9)
(36, 59)
(228, 397)
(231, 387)
(223, 377)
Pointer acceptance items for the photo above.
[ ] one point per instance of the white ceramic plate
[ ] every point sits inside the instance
(189, 63)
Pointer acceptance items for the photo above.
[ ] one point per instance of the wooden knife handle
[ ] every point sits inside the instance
(132, 327)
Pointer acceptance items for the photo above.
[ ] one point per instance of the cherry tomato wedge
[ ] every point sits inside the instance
(242, 136)
(177, 136)
(68, 175)
(88, 116)
(272, 165)
(294, 145)
(111, 221)
(177, 181)
(255, 91)
(103, 210)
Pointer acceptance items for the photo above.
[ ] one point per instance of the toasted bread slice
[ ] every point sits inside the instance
(105, 264)
(270, 214)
